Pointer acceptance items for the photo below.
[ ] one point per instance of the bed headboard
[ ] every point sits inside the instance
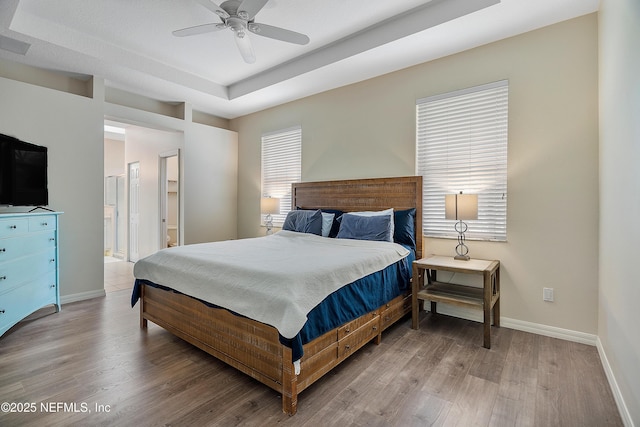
(364, 194)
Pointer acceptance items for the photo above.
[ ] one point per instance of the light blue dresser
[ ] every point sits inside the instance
(28, 265)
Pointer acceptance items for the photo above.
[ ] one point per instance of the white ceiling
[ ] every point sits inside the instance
(129, 43)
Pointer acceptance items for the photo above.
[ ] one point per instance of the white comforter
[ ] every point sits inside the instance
(275, 279)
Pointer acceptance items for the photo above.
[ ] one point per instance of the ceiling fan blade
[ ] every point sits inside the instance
(245, 48)
(198, 29)
(213, 7)
(278, 33)
(251, 8)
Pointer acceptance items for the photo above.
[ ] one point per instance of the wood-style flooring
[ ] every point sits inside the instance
(91, 365)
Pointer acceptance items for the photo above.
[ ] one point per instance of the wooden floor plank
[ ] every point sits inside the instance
(515, 404)
(94, 353)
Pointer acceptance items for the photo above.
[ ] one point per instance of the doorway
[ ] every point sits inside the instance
(169, 199)
(115, 216)
(134, 210)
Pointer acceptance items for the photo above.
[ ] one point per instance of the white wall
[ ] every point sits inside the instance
(211, 184)
(71, 126)
(619, 316)
(368, 130)
(114, 164)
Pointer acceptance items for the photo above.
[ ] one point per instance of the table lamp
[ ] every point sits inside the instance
(269, 206)
(461, 207)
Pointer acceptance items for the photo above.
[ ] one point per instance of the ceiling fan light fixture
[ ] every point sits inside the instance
(238, 16)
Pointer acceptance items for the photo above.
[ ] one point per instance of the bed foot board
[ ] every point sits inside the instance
(143, 320)
(289, 384)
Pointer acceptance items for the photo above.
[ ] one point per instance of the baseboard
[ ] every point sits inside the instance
(81, 296)
(520, 325)
(549, 331)
(613, 384)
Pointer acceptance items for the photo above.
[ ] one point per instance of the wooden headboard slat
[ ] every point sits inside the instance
(364, 194)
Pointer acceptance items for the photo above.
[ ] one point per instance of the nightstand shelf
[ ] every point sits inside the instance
(486, 298)
(452, 294)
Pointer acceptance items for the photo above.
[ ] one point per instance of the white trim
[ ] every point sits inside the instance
(81, 296)
(613, 384)
(520, 325)
(549, 331)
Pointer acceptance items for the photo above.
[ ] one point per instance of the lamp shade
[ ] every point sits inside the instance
(461, 206)
(270, 205)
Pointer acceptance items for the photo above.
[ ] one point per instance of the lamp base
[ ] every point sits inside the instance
(462, 257)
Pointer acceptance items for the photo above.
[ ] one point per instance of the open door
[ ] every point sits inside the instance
(169, 199)
(134, 210)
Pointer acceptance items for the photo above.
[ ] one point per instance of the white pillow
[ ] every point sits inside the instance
(375, 213)
(327, 223)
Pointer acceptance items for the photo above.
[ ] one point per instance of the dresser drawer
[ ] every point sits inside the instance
(352, 326)
(24, 300)
(13, 227)
(26, 269)
(394, 310)
(42, 222)
(359, 337)
(17, 247)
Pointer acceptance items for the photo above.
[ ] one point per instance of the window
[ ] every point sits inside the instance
(281, 166)
(461, 145)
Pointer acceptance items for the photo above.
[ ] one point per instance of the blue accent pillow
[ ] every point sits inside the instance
(304, 221)
(365, 227)
(336, 224)
(404, 232)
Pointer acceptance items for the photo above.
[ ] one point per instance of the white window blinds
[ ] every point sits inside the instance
(461, 144)
(281, 166)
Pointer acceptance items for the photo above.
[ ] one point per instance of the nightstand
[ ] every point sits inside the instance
(486, 298)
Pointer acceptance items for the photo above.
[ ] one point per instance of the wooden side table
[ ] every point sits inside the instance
(486, 298)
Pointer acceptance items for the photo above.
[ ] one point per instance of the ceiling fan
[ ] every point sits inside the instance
(238, 16)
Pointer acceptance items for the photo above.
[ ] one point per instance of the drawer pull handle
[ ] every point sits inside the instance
(52, 239)
(3, 277)
(52, 286)
(44, 224)
(52, 260)
(13, 227)
(3, 250)
(347, 330)
(347, 347)
(2, 311)
(375, 328)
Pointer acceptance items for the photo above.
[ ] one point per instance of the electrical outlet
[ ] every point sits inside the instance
(547, 294)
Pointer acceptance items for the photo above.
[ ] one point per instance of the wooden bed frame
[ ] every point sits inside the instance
(253, 347)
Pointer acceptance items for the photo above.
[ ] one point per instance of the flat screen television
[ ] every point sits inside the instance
(23, 173)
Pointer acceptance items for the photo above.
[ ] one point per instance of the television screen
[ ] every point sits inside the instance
(23, 173)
